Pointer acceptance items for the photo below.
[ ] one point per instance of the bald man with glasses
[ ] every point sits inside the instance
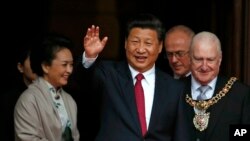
(177, 44)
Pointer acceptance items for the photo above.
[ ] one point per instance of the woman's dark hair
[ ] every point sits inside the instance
(23, 54)
(46, 50)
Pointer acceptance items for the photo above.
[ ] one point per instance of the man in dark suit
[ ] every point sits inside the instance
(114, 82)
(225, 102)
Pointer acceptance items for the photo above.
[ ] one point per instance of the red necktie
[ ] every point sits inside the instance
(139, 97)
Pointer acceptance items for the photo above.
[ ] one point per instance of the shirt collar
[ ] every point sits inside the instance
(52, 88)
(178, 77)
(146, 74)
(195, 84)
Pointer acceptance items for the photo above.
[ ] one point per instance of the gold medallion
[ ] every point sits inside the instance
(201, 120)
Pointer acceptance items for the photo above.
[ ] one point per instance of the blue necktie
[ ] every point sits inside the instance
(203, 90)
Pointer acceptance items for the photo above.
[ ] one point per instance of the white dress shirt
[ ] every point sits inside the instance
(148, 84)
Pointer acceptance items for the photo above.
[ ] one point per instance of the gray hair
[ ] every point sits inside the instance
(208, 38)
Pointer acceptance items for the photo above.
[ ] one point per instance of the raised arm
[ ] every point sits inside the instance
(92, 43)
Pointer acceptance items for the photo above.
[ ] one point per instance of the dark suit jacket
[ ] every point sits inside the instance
(119, 121)
(233, 108)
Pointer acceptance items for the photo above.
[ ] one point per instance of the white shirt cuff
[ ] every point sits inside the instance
(87, 62)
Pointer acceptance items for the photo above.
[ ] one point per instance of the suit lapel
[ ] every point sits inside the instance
(125, 82)
(158, 97)
(189, 109)
(161, 95)
(217, 109)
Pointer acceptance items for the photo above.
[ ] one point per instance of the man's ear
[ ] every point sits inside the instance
(125, 44)
(160, 47)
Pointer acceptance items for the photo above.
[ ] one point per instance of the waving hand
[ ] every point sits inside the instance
(93, 45)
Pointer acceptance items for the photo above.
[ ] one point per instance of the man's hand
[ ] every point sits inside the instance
(93, 45)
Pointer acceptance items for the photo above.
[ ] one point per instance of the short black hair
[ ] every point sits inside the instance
(146, 20)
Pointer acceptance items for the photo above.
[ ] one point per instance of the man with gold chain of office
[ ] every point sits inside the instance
(212, 102)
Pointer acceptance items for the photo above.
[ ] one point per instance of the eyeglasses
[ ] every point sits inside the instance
(177, 54)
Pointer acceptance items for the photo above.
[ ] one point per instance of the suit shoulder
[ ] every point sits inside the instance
(109, 65)
(169, 80)
(237, 83)
(240, 85)
(235, 86)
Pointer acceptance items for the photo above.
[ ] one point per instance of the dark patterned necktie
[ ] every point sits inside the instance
(140, 102)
